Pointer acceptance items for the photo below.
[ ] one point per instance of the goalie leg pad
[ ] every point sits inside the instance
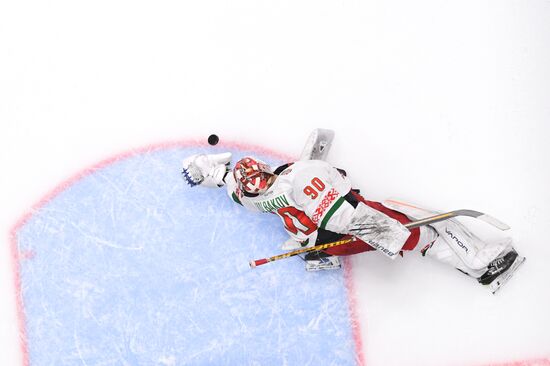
(474, 252)
(440, 250)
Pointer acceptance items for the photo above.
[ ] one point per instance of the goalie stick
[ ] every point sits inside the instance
(411, 225)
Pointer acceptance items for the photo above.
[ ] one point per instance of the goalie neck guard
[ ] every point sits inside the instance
(253, 175)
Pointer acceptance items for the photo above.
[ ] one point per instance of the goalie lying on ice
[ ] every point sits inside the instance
(317, 205)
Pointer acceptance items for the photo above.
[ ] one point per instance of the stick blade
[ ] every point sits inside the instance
(483, 217)
(493, 221)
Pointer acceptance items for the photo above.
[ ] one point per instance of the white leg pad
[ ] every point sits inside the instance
(471, 254)
(474, 252)
(442, 252)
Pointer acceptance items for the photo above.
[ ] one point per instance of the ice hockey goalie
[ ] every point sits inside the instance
(317, 205)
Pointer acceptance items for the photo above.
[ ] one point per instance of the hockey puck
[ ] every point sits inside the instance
(213, 139)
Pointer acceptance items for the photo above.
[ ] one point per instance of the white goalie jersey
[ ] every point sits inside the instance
(306, 196)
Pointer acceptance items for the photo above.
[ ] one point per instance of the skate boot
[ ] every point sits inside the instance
(501, 269)
(317, 261)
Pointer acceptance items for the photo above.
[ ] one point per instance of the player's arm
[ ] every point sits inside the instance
(211, 170)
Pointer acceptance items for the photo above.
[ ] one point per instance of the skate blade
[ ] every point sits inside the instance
(321, 268)
(505, 277)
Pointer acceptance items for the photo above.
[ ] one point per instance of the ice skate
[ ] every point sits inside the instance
(316, 261)
(501, 270)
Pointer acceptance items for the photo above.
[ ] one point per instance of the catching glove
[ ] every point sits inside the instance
(207, 170)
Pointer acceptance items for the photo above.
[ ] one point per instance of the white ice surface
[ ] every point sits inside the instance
(445, 104)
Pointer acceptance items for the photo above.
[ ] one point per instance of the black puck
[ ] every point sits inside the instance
(213, 139)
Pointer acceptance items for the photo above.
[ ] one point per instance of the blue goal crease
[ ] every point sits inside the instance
(131, 266)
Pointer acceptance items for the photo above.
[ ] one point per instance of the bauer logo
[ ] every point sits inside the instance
(381, 248)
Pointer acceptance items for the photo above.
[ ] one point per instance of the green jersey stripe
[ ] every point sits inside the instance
(331, 212)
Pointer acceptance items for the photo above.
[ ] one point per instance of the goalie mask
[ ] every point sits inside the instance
(253, 175)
